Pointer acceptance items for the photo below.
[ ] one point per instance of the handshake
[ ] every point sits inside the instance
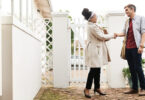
(116, 35)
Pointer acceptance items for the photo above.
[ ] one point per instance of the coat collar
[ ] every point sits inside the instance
(91, 23)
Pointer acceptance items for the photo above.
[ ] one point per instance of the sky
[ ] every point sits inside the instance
(100, 7)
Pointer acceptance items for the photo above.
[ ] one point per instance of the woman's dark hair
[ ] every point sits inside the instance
(86, 13)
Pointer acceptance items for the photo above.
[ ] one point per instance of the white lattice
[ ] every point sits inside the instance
(43, 30)
(49, 47)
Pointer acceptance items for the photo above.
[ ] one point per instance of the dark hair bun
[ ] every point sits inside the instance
(86, 13)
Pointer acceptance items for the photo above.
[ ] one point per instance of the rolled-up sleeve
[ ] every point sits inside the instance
(124, 28)
(143, 25)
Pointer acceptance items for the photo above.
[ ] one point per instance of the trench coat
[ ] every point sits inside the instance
(96, 51)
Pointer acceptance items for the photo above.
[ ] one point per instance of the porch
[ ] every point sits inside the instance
(42, 53)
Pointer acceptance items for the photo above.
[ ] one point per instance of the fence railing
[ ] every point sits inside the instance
(22, 10)
(25, 11)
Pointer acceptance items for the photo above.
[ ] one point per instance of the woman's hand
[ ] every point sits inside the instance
(105, 31)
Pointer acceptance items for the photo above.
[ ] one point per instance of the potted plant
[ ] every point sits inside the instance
(127, 74)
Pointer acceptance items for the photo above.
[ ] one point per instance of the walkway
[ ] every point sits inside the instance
(77, 94)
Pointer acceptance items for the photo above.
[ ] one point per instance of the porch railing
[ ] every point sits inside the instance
(26, 13)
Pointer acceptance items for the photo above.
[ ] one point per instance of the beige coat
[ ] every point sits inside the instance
(96, 52)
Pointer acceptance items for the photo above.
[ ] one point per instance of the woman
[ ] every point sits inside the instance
(96, 51)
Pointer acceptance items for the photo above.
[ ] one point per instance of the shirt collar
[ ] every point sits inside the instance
(134, 17)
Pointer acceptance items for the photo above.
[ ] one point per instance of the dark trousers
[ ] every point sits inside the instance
(94, 74)
(134, 60)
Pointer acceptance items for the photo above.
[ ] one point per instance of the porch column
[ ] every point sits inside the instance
(61, 50)
(115, 23)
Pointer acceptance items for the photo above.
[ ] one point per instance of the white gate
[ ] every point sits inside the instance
(79, 71)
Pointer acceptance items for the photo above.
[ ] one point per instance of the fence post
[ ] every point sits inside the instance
(115, 76)
(61, 50)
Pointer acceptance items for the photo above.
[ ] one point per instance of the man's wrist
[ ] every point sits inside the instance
(141, 45)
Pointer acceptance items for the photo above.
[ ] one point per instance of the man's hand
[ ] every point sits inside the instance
(140, 50)
(119, 34)
(115, 35)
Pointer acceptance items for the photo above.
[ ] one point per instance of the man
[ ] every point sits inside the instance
(134, 30)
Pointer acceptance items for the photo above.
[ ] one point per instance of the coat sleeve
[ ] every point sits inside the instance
(124, 28)
(142, 25)
(98, 33)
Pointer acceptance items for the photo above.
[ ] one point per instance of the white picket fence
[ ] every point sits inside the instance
(78, 70)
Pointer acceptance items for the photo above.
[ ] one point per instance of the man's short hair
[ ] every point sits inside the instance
(131, 6)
